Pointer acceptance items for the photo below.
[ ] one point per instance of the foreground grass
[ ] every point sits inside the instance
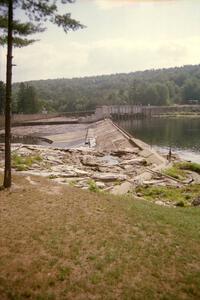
(64, 243)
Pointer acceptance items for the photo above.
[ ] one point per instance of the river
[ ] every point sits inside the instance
(181, 134)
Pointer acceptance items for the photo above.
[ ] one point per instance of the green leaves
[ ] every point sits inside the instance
(38, 12)
(20, 30)
(67, 22)
(47, 10)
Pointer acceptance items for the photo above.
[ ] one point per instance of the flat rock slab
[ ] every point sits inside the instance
(122, 189)
(109, 177)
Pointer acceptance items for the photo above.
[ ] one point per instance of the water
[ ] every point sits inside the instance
(27, 139)
(182, 134)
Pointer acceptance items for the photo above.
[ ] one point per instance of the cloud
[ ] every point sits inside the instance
(110, 4)
(45, 60)
(114, 56)
(72, 59)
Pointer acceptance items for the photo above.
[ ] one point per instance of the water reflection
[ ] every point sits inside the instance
(179, 133)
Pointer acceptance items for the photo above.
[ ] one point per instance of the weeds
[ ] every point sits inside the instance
(93, 186)
(64, 273)
(21, 163)
(175, 173)
(179, 197)
(190, 166)
(178, 170)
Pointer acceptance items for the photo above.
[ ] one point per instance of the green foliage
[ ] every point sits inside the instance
(191, 89)
(52, 176)
(21, 163)
(175, 172)
(180, 203)
(72, 183)
(195, 167)
(155, 87)
(178, 196)
(38, 12)
(27, 100)
(20, 31)
(93, 186)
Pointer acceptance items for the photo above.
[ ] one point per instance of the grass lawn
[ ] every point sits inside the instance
(60, 242)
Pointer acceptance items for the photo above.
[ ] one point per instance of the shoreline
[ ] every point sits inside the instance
(176, 116)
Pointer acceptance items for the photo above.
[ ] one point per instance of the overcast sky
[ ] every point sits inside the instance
(121, 36)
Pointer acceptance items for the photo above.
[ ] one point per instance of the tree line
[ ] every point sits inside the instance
(155, 87)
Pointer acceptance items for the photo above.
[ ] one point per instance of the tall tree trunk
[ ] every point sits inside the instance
(7, 171)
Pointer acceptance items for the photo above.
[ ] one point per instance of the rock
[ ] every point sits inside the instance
(139, 160)
(141, 177)
(109, 160)
(81, 172)
(121, 152)
(121, 189)
(92, 142)
(196, 201)
(100, 184)
(159, 202)
(109, 177)
(89, 160)
(139, 194)
(152, 182)
(195, 177)
(69, 171)
(53, 159)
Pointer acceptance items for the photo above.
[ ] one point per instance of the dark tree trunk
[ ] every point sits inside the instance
(7, 171)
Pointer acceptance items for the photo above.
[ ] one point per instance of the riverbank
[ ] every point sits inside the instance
(179, 134)
(104, 158)
(178, 115)
(60, 242)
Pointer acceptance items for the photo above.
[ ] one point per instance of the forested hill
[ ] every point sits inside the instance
(156, 87)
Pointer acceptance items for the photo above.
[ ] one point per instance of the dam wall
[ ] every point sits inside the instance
(107, 111)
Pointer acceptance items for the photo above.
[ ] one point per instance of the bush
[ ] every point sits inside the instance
(92, 186)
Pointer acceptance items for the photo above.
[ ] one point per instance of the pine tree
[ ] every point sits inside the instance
(2, 96)
(38, 11)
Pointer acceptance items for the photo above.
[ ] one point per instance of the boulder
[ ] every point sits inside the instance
(89, 160)
(196, 201)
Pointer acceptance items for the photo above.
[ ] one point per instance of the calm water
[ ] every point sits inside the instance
(182, 134)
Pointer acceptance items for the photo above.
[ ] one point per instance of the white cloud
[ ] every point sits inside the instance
(137, 39)
(102, 57)
(121, 55)
(109, 4)
(45, 60)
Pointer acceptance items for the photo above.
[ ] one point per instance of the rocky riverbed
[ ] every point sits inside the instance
(117, 172)
(107, 160)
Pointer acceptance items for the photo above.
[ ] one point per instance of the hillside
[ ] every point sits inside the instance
(156, 87)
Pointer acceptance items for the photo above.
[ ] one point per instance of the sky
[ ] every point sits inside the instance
(121, 36)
